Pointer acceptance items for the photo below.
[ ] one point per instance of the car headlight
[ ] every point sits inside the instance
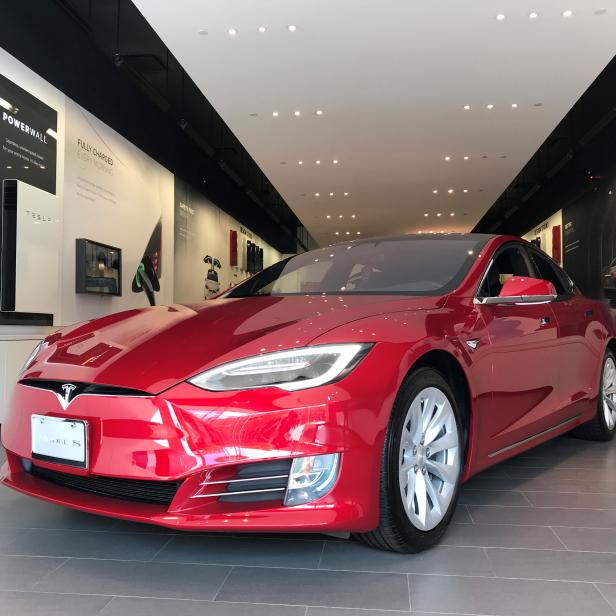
(32, 356)
(290, 370)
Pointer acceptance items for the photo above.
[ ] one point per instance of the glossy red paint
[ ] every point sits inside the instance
(536, 369)
(518, 286)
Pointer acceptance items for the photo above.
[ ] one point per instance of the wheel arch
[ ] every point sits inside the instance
(454, 374)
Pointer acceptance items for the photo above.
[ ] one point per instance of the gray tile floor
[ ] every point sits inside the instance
(534, 536)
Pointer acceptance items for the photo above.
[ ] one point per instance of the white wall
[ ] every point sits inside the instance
(117, 204)
(203, 229)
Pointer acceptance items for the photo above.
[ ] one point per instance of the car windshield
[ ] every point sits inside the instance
(402, 265)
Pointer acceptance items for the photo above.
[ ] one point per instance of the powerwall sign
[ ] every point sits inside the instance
(28, 138)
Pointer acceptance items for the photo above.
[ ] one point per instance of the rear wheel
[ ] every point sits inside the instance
(603, 425)
(421, 466)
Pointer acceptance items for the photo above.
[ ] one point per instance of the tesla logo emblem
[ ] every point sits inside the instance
(68, 389)
(473, 343)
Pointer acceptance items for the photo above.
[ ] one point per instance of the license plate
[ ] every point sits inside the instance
(59, 440)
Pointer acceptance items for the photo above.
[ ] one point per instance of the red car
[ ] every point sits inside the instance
(348, 389)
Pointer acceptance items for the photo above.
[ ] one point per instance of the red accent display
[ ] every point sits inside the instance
(556, 244)
(533, 375)
(233, 248)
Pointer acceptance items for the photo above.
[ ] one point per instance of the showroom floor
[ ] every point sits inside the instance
(533, 536)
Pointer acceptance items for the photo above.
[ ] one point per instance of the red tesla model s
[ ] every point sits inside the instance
(348, 389)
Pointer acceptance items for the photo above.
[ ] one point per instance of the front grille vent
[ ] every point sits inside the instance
(82, 389)
(144, 491)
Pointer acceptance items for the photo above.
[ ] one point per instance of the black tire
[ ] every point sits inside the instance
(395, 532)
(597, 429)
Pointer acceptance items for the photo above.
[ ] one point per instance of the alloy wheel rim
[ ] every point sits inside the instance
(608, 391)
(429, 463)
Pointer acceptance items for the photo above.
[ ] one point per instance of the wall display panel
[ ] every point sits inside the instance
(547, 236)
(28, 137)
(589, 242)
(29, 249)
(116, 195)
(207, 241)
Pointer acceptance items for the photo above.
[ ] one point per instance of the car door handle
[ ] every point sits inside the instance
(544, 321)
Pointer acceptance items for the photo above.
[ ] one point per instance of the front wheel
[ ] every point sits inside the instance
(421, 467)
(602, 426)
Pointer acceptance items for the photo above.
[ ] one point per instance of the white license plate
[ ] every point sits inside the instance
(55, 439)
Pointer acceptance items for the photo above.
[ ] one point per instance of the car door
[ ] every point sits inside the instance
(523, 359)
(579, 360)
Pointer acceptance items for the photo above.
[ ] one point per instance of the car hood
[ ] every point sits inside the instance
(152, 349)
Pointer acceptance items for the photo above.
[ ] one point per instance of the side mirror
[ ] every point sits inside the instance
(523, 290)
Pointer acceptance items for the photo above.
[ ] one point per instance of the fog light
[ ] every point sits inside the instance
(310, 478)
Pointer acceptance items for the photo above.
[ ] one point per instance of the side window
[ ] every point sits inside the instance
(547, 271)
(509, 262)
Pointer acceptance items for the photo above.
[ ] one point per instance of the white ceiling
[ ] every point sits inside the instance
(392, 78)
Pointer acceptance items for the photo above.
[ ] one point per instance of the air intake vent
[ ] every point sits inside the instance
(258, 482)
(156, 492)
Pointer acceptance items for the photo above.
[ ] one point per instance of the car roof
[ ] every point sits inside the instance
(477, 237)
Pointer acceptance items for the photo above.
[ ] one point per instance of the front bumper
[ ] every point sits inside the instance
(191, 436)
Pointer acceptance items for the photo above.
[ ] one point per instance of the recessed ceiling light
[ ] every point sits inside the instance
(452, 214)
(359, 233)
(533, 15)
(466, 157)
(317, 162)
(291, 28)
(328, 216)
(348, 233)
(26, 167)
(514, 105)
(319, 112)
(450, 191)
(435, 191)
(426, 214)
(467, 107)
(352, 215)
(420, 232)
(346, 194)
(337, 233)
(500, 17)
(567, 13)
(340, 216)
(490, 106)
(465, 190)
(438, 214)
(317, 194)
(275, 114)
(297, 113)
(300, 162)
(262, 29)
(331, 194)
(447, 157)
(335, 161)
(202, 32)
(232, 31)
